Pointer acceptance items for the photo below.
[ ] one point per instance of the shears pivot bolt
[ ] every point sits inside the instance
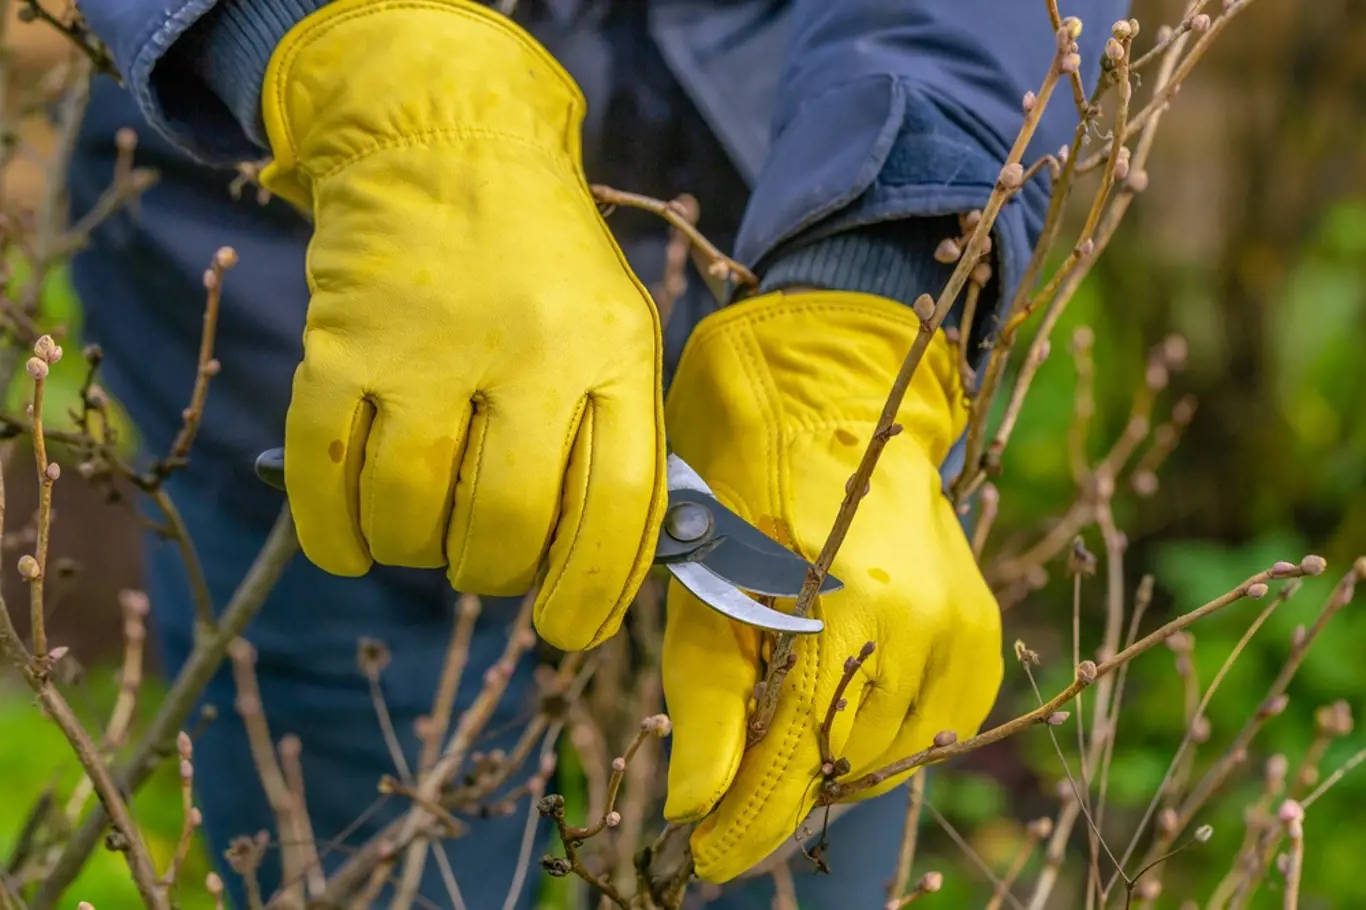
(687, 522)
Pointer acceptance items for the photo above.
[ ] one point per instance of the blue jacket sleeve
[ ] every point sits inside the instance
(893, 117)
(196, 66)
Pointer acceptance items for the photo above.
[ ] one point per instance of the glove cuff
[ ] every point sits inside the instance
(361, 76)
(790, 362)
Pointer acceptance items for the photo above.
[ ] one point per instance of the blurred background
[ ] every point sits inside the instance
(1250, 242)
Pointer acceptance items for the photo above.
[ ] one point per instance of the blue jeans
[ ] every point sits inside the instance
(306, 639)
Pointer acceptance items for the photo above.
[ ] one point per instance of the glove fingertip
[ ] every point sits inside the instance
(567, 630)
(709, 670)
(695, 787)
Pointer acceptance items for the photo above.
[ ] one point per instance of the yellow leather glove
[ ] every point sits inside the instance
(773, 404)
(480, 386)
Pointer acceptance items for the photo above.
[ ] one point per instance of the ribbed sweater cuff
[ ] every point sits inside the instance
(892, 259)
(236, 39)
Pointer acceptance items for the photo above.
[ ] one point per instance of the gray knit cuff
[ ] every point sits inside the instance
(892, 259)
(235, 41)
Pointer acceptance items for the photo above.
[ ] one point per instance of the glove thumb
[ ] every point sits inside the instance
(710, 667)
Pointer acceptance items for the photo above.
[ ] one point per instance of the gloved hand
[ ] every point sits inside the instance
(480, 386)
(773, 404)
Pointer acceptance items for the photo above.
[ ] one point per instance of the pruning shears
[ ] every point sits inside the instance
(713, 552)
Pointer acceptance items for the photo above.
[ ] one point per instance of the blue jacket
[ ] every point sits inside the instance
(830, 142)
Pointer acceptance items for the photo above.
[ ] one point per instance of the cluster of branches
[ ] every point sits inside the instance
(618, 850)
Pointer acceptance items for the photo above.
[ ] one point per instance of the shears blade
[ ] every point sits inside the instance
(725, 598)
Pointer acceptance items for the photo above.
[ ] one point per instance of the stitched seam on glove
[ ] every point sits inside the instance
(746, 346)
(880, 308)
(461, 454)
(438, 138)
(660, 497)
(747, 350)
(869, 306)
(582, 422)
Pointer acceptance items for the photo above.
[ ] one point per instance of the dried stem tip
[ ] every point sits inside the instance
(47, 349)
(923, 307)
(1272, 707)
(1276, 768)
(658, 724)
(948, 251)
(1290, 811)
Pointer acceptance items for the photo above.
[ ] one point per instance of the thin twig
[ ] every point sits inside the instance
(372, 656)
(190, 816)
(834, 790)
(910, 831)
(676, 213)
(784, 888)
(290, 750)
(1272, 704)
(1035, 831)
(251, 709)
(1333, 778)
(657, 726)
(206, 368)
(179, 534)
(204, 660)
(471, 722)
(78, 33)
(452, 668)
(1167, 88)
(838, 703)
(55, 706)
(1283, 595)
(34, 569)
(535, 790)
(1078, 90)
(1293, 815)
(673, 284)
(972, 855)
